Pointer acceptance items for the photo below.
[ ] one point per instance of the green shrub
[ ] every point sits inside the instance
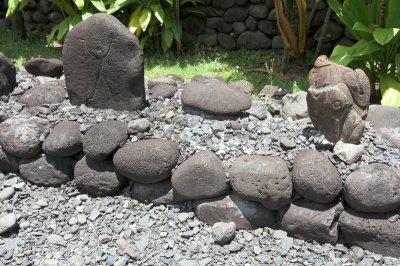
(155, 22)
(376, 26)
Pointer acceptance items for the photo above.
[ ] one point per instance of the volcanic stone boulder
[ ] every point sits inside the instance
(338, 100)
(147, 161)
(64, 140)
(232, 208)
(45, 67)
(163, 90)
(312, 221)
(373, 188)
(21, 135)
(103, 139)
(161, 81)
(47, 171)
(201, 176)
(373, 231)
(214, 96)
(8, 162)
(263, 179)
(315, 177)
(8, 75)
(386, 121)
(97, 178)
(46, 93)
(103, 65)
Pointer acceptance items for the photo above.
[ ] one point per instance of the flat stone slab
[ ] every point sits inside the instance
(50, 92)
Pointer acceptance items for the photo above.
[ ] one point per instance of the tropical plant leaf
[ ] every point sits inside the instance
(345, 16)
(145, 18)
(158, 12)
(359, 10)
(358, 26)
(99, 4)
(340, 56)
(134, 24)
(119, 4)
(385, 35)
(170, 2)
(12, 6)
(390, 89)
(363, 48)
(80, 4)
(397, 61)
(392, 16)
(167, 38)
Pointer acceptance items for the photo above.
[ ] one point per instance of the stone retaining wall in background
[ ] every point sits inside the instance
(228, 24)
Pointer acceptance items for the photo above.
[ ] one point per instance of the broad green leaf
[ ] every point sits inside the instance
(361, 27)
(359, 10)
(169, 19)
(167, 38)
(158, 12)
(119, 4)
(392, 15)
(99, 4)
(68, 8)
(170, 2)
(339, 55)
(363, 48)
(145, 18)
(23, 4)
(79, 4)
(385, 35)
(345, 16)
(390, 89)
(182, 2)
(178, 34)
(86, 13)
(134, 23)
(397, 60)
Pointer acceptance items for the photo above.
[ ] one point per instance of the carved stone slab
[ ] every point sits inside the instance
(103, 65)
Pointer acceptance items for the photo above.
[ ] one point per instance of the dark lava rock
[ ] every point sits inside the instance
(312, 221)
(8, 162)
(161, 81)
(386, 121)
(45, 67)
(50, 92)
(373, 188)
(214, 96)
(97, 178)
(223, 4)
(147, 161)
(253, 40)
(226, 41)
(199, 177)
(65, 139)
(47, 171)
(243, 85)
(235, 14)
(232, 208)
(104, 139)
(160, 193)
(263, 179)
(103, 65)
(163, 90)
(315, 177)
(371, 231)
(8, 75)
(20, 135)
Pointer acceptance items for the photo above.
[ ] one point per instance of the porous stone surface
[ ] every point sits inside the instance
(265, 179)
(243, 85)
(8, 74)
(331, 111)
(373, 188)
(214, 96)
(162, 90)
(103, 139)
(347, 152)
(7, 222)
(295, 105)
(312, 221)
(201, 176)
(161, 81)
(51, 67)
(223, 232)
(8, 162)
(147, 161)
(65, 139)
(47, 171)
(50, 92)
(20, 135)
(386, 121)
(232, 208)
(97, 178)
(315, 177)
(103, 65)
(375, 232)
(139, 125)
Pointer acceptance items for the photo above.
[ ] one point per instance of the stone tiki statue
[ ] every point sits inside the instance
(338, 100)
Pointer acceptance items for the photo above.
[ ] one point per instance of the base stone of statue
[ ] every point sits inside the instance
(103, 65)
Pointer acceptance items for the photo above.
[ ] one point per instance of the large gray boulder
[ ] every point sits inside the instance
(8, 162)
(21, 135)
(315, 177)
(103, 139)
(103, 65)
(263, 179)
(47, 171)
(51, 67)
(199, 177)
(375, 232)
(312, 221)
(65, 139)
(97, 178)
(147, 161)
(214, 96)
(8, 75)
(232, 208)
(373, 188)
(50, 92)
(386, 121)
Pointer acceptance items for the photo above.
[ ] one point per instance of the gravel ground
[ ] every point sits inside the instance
(60, 226)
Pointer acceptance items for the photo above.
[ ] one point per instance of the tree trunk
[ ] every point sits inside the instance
(17, 26)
